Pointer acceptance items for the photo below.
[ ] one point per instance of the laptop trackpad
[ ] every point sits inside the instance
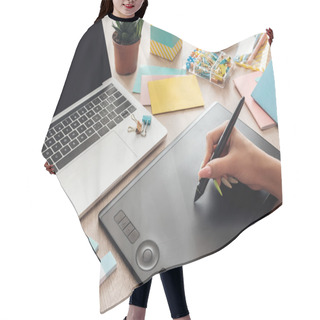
(96, 170)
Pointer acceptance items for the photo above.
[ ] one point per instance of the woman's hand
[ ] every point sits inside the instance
(244, 161)
(49, 168)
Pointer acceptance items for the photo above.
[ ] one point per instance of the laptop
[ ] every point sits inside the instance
(154, 223)
(89, 145)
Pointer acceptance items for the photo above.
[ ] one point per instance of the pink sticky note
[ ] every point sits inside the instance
(245, 85)
(144, 95)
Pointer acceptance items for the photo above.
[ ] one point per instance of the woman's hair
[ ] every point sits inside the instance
(106, 7)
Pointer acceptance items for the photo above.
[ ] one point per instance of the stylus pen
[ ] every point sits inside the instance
(201, 187)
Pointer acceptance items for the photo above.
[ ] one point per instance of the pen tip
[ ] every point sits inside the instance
(197, 196)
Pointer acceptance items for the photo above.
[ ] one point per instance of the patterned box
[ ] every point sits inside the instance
(164, 44)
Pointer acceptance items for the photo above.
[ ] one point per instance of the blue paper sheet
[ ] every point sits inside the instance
(265, 92)
(94, 244)
(154, 70)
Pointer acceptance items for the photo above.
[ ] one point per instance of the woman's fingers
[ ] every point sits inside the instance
(212, 139)
(49, 168)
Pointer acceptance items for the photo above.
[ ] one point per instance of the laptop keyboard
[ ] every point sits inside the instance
(87, 123)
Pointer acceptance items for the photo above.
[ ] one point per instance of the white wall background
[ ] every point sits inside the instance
(270, 272)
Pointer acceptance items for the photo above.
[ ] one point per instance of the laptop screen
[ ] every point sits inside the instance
(89, 68)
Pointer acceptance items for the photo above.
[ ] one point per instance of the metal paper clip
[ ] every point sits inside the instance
(138, 128)
(146, 120)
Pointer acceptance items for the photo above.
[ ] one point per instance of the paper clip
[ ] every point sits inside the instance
(146, 120)
(138, 128)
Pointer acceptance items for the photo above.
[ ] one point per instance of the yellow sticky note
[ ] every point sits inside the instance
(175, 94)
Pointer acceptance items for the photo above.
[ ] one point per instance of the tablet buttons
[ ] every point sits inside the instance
(147, 255)
(126, 226)
(133, 236)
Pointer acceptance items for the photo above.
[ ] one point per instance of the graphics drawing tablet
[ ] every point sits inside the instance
(154, 222)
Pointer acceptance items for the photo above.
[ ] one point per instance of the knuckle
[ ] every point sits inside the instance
(208, 136)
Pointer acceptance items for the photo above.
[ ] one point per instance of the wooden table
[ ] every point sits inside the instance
(121, 283)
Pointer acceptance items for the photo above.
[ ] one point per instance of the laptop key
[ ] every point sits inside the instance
(89, 132)
(56, 156)
(104, 103)
(75, 152)
(96, 118)
(82, 137)
(104, 120)
(103, 131)
(112, 115)
(74, 116)
(50, 142)
(82, 111)
(50, 133)
(90, 105)
(74, 143)
(48, 153)
(123, 107)
(73, 134)
(97, 126)
(119, 101)
(83, 118)
(96, 101)
(65, 140)
(58, 136)
(111, 91)
(75, 124)
(118, 119)
(117, 94)
(58, 127)
(125, 113)
(90, 113)
(111, 124)
(67, 130)
(65, 150)
(66, 121)
(89, 123)
(132, 109)
(97, 108)
(111, 107)
(111, 99)
(103, 113)
(56, 147)
(82, 128)
(103, 96)
(108, 87)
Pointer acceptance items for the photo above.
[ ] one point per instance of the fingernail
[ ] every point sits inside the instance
(205, 172)
(226, 182)
(232, 180)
